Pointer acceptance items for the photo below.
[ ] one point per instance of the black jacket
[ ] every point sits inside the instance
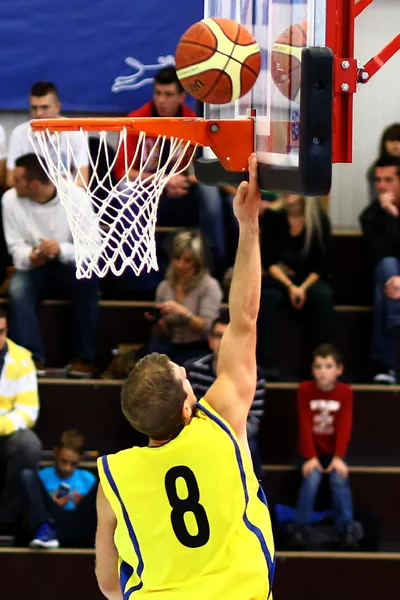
(381, 232)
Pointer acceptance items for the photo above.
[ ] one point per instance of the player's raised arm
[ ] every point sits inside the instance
(232, 393)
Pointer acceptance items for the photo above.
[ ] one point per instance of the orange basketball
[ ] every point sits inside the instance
(217, 60)
(286, 60)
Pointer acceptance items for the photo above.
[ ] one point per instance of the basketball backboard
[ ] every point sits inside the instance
(292, 125)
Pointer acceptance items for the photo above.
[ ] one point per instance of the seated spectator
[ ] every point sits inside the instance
(4, 258)
(188, 301)
(389, 147)
(184, 202)
(41, 245)
(45, 104)
(61, 499)
(380, 223)
(325, 408)
(19, 406)
(3, 157)
(295, 240)
(202, 372)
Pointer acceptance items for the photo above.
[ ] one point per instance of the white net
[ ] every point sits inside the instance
(116, 229)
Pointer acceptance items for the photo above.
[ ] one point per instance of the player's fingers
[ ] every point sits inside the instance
(253, 172)
(242, 191)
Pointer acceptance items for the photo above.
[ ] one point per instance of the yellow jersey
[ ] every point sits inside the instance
(192, 521)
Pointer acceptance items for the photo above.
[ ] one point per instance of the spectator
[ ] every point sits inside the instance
(4, 259)
(184, 202)
(40, 243)
(61, 499)
(325, 420)
(3, 157)
(295, 240)
(45, 104)
(389, 147)
(188, 300)
(202, 372)
(19, 407)
(380, 223)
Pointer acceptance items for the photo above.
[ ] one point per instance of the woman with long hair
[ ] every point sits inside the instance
(295, 240)
(188, 301)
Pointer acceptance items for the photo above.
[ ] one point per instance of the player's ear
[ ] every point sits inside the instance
(186, 410)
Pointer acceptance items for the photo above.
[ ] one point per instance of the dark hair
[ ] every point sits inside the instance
(166, 76)
(73, 440)
(42, 88)
(390, 134)
(223, 319)
(388, 161)
(152, 398)
(33, 168)
(3, 313)
(325, 350)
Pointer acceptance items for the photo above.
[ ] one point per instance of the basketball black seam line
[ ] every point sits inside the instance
(229, 56)
(216, 81)
(303, 31)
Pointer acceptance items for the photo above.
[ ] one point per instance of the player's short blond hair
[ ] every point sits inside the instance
(152, 398)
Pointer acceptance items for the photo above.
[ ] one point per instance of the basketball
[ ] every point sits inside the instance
(217, 60)
(286, 60)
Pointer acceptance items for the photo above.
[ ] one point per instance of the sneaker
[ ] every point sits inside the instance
(7, 534)
(80, 369)
(386, 376)
(40, 370)
(351, 536)
(45, 537)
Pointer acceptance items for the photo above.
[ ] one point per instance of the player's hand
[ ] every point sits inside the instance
(392, 288)
(339, 466)
(37, 259)
(61, 501)
(247, 202)
(310, 465)
(297, 296)
(177, 186)
(387, 200)
(49, 248)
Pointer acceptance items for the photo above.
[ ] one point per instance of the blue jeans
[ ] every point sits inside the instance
(341, 498)
(386, 314)
(28, 288)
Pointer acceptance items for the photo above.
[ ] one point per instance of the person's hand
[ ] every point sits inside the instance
(338, 465)
(61, 501)
(392, 287)
(387, 200)
(247, 202)
(297, 296)
(49, 248)
(36, 257)
(310, 465)
(77, 497)
(170, 307)
(177, 186)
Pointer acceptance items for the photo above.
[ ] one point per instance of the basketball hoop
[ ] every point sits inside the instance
(126, 210)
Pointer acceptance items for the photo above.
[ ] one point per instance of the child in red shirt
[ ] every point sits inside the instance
(325, 408)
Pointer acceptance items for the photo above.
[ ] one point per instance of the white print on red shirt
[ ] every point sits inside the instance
(323, 419)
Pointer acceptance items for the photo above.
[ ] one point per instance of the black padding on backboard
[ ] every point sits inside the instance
(313, 175)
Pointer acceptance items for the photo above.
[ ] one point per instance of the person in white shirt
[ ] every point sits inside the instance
(3, 156)
(45, 104)
(40, 242)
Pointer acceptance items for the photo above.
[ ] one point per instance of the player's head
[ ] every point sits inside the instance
(157, 398)
(187, 259)
(327, 366)
(218, 329)
(168, 93)
(390, 142)
(44, 102)
(68, 452)
(387, 176)
(3, 327)
(30, 179)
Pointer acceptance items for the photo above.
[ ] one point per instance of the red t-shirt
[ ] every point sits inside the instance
(132, 139)
(325, 419)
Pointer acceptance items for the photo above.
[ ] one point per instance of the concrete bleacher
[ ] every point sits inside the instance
(93, 406)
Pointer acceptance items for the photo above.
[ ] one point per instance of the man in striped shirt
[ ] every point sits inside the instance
(19, 407)
(202, 372)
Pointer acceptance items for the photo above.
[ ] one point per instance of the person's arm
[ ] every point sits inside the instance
(304, 417)
(279, 274)
(344, 422)
(232, 393)
(22, 254)
(380, 232)
(106, 551)
(25, 400)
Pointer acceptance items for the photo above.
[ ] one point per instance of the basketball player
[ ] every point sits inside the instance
(185, 518)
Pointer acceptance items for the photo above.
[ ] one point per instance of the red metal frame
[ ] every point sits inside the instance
(340, 22)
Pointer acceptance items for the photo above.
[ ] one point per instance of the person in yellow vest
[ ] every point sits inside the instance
(185, 518)
(19, 407)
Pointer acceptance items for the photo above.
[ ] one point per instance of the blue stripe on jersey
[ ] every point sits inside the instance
(126, 570)
(270, 561)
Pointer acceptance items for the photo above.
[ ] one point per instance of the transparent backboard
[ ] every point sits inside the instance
(277, 116)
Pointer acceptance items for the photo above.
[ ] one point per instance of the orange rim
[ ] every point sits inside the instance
(231, 140)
